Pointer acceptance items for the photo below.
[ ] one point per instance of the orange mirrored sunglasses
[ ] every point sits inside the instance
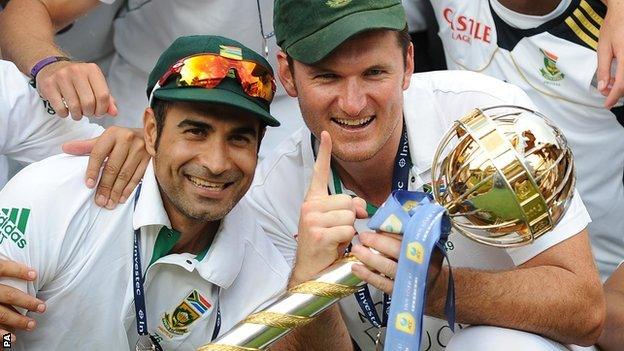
(208, 70)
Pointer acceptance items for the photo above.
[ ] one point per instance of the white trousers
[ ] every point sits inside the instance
(487, 338)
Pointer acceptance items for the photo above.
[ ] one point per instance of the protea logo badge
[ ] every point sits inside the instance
(550, 70)
(13, 223)
(178, 322)
(337, 3)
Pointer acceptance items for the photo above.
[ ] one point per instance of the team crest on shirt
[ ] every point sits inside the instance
(178, 321)
(337, 3)
(550, 70)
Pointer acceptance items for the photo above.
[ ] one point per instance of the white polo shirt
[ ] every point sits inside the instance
(30, 130)
(83, 256)
(553, 59)
(431, 104)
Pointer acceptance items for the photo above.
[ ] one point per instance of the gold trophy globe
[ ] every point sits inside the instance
(508, 177)
(505, 175)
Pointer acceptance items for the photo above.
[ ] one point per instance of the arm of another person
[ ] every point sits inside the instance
(32, 229)
(10, 319)
(610, 47)
(31, 131)
(556, 293)
(80, 85)
(612, 338)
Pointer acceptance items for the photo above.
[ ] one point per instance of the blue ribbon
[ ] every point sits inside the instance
(424, 226)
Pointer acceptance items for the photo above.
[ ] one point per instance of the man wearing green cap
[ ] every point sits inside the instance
(183, 260)
(349, 63)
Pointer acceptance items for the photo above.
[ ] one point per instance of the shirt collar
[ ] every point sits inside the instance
(224, 258)
(149, 208)
(226, 254)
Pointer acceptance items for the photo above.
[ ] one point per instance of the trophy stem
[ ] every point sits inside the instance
(296, 307)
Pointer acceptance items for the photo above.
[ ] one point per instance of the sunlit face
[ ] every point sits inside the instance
(205, 159)
(356, 93)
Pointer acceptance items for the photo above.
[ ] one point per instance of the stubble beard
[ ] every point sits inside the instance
(185, 207)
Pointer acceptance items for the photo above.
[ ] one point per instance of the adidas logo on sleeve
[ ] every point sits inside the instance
(13, 223)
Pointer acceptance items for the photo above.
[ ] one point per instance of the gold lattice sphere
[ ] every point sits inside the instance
(507, 175)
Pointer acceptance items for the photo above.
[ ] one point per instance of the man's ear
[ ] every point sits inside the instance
(409, 66)
(150, 131)
(286, 74)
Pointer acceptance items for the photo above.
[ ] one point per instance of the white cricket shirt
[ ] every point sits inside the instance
(553, 59)
(83, 255)
(30, 130)
(431, 104)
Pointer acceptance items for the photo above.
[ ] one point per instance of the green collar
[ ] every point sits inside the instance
(370, 208)
(166, 240)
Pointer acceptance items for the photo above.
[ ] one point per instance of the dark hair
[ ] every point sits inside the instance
(160, 107)
(402, 36)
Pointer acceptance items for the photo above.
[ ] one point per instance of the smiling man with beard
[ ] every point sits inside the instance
(198, 262)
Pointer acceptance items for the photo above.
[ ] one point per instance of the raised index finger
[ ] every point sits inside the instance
(318, 185)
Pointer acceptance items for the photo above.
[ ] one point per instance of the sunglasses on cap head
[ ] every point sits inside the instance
(207, 70)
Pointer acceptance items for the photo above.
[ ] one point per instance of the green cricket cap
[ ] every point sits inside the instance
(229, 92)
(309, 30)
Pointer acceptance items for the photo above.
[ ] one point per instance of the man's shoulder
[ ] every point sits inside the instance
(13, 85)
(9, 72)
(462, 82)
(60, 175)
(289, 158)
(257, 243)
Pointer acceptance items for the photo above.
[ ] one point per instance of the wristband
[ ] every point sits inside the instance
(41, 64)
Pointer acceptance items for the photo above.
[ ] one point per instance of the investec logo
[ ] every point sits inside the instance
(13, 225)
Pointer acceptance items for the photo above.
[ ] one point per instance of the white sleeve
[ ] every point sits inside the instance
(30, 130)
(276, 224)
(461, 91)
(38, 219)
(276, 196)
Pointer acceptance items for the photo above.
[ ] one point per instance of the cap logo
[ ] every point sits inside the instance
(337, 3)
(231, 52)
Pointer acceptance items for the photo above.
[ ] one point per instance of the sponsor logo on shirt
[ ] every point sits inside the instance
(465, 28)
(550, 70)
(13, 223)
(177, 322)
